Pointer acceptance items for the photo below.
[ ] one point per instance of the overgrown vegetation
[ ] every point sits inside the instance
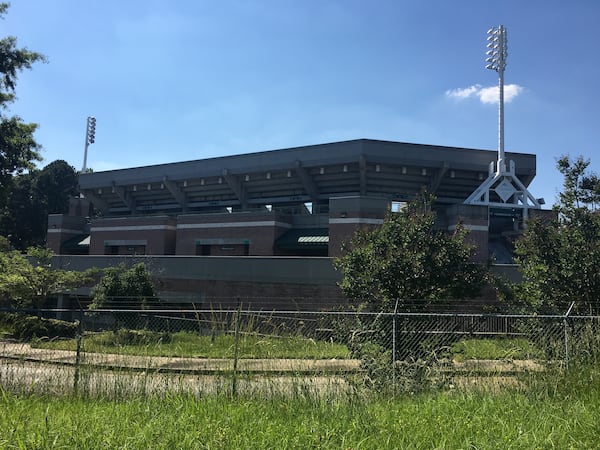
(128, 289)
(559, 257)
(408, 258)
(28, 283)
(123, 287)
(561, 412)
(26, 328)
(498, 348)
(186, 344)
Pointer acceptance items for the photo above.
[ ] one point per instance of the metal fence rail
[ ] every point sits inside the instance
(140, 351)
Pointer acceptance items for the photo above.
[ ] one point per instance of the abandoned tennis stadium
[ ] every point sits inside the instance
(266, 225)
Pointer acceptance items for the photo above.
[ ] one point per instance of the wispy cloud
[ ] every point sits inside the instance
(485, 94)
(462, 93)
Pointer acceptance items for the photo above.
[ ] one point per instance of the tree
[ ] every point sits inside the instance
(408, 258)
(122, 288)
(559, 257)
(23, 220)
(18, 148)
(33, 196)
(581, 188)
(27, 283)
(55, 184)
(4, 244)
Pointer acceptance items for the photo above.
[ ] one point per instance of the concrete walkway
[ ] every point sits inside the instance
(23, 351)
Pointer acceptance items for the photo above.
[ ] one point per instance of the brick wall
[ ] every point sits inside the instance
(221, 294)
(61, 228)
(155, 234)
(256, 230)
(348, 214)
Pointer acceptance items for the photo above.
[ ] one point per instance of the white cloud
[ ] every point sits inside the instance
(461, 93)
(511, 91)
(487, 94)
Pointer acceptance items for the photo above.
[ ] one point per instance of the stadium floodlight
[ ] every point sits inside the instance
(496, 60)
(91, 129)
(496, 55)
(502, 188)
(90, 138)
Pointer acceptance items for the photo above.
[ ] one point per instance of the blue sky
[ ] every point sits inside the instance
(180, 80)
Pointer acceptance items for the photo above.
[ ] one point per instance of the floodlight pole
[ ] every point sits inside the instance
(501, 163)
(502, 188)
(90, 138)
(497, 61)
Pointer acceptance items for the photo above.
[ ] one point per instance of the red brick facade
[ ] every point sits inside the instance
(239, 234)
(247, 233)
(145, 235)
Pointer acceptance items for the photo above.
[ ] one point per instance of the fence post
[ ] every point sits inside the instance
(566, 326)
(236, 339)
(78, 352)
(394, 346)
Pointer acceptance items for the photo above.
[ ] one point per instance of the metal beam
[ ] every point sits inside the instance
(437, 177)
(362, 165)
(307, 181)
(176, 192)
(127, 199)
(236, 186)
(98, 203)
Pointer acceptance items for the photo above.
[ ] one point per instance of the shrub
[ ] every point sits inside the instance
(25, 327)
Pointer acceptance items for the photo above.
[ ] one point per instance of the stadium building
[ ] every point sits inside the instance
(276, 207)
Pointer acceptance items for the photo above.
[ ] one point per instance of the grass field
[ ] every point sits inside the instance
(553, 412)
(498, 348)
(185, 344)
(535, 410)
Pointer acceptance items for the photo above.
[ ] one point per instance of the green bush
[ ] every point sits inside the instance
(25, 327)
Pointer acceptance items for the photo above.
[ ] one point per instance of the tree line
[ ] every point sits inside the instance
(27, 194)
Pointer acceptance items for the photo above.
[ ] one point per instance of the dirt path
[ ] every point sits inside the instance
(23, 351)
(54, 371)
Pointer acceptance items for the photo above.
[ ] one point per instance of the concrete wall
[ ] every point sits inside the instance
(258, 282)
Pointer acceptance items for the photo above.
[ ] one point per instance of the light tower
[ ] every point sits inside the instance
(90, 138)
(496, 60)
(502, 188)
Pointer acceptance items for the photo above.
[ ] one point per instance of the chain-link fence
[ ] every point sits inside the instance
(124, 351)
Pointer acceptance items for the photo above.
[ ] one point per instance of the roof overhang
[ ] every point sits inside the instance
(314, 173)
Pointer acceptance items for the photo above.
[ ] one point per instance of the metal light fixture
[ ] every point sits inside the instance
(496, 60)
(90, 138)
(497, 52)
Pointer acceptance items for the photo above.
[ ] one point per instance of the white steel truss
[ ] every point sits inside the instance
(502, 188)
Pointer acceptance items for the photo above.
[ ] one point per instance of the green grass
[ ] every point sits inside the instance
(557, 413)
(499, 348)
(186, 344)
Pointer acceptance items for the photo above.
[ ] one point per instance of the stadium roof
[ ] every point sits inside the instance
(393, 170)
